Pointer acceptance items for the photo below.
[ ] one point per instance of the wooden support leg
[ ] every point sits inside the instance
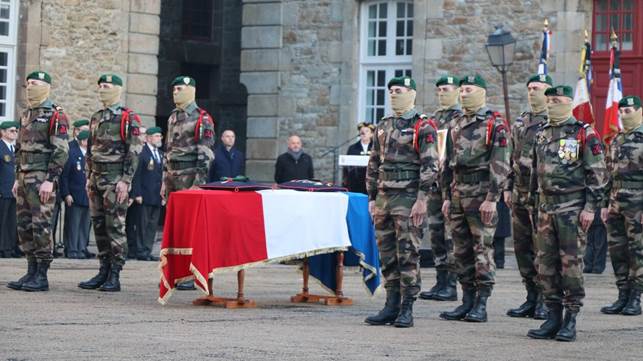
(338, 299)
(238, 302)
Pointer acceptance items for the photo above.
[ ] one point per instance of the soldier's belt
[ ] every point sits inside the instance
(33, 158)
(472, 177)
(399, 175)
(180, 165)
(550, 199)
(107, 167)
(523, 180)
(626, 184)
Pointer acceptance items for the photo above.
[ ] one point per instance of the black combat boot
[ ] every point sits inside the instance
(553, 324)
(567, 332)
(450, 290)
(441, 280)
(479, 311)
(528, 308)
(405, 317)
(39, 281)
(113, 284)
(618, 305)
(100, 278)
(32, 266)
(541, 311)
(633, 306)
(389, 313)
(468, 297)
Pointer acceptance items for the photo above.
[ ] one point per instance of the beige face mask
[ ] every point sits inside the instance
(448, 99)
(110, 96)
(559, 113)
(473, 101)
(37, 94)
(403, 102)
(184, 97)
(632, 120)
(537, 100)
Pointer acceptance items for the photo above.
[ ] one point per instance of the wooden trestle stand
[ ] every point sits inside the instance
(337, 300)
(239, 302)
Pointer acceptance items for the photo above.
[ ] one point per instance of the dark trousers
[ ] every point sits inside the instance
(132, 221)
(8, 227)
(146, 230)
(596, 250)
(76, 230)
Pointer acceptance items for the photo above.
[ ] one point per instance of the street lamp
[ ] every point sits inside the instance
(500, 48)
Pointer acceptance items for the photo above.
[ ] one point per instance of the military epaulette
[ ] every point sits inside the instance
(54, 129)
(126, 123)
(199, 132)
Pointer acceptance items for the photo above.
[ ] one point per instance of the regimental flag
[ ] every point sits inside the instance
(582, 106)
(544, 51)
(612, 121)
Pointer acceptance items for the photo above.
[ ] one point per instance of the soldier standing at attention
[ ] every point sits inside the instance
(523, 138)
(475, 176)
(188, 147)
(625, 215)
(570, 178)
(42, 153)
(402, 169)
(114, 145)
(442, 248)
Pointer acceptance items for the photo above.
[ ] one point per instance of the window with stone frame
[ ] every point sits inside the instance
(8, 29)
(386, 38)
(618, 15)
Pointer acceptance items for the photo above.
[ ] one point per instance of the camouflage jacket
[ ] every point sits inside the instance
(113, 141)
(443, 117)
(188, 142)
(404, 155)
(625, 162)
(42, 140)
(477, 156)
(567, 159)
(523, 138)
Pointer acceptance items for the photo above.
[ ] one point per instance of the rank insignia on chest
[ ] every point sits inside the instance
(7, 158)
(150, 165)
(78, 166)
(568, 150)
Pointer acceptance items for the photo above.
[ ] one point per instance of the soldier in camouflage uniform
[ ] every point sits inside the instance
(475, 176)
(42, 152)
(625, 215)
(112, 157)
(570, 177)
(401, 171)
(523, 138)
(189, 141)
(441, 246)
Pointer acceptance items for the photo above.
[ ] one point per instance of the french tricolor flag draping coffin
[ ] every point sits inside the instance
(268, 225)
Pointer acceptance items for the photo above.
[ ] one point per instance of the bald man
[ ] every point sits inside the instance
(294, 164)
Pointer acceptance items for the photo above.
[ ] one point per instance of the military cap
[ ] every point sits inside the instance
(405, 81)
(9, 124)
(40, 75)
(541, 78)
(476, 80)
(183, 80)
(630, 101)
(80, 122)
(83, 135)
(448, 80)
(154, 130)
(111, 79)
(560, 91)
(365, 124)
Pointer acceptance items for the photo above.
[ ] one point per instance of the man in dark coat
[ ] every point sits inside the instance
(8, 230)
(294, 164)
(228, 161)
(355, 177)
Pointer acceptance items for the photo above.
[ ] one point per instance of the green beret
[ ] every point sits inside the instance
(83, 135)
(476, 80)
(184, 80)
(154, 130)
(630, 101)
(405, 81)
(560, 91)
(111, 79)
(80, 122)
(9, 124)
(40, 75)
(541, 78)
(448, 80)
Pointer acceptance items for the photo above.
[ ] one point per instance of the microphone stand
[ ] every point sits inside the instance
(334, 150)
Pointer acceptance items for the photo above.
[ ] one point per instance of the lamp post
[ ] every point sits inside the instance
(500, 48)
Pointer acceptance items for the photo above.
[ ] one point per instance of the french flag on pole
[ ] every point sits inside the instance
(612, 121)
(581, 104)
(544, 51)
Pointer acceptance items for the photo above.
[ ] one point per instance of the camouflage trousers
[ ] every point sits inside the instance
(524, 242)
(398, 241)
(108, 217)
(472, 242)
(560, 244)
(34, 218)
(441, 246)
(178, 180)
(625, 239)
